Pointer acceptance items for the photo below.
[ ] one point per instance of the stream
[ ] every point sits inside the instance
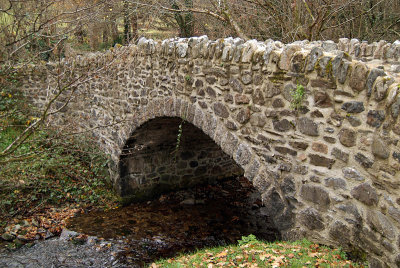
(138, 234)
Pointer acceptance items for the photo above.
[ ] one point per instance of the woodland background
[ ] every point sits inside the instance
(48, 29)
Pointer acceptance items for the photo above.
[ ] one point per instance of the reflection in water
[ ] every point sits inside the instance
(181, 221)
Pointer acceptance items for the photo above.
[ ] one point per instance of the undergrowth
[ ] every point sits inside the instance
(56, 171)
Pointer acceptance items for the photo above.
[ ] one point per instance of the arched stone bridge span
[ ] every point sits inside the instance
(329, 171)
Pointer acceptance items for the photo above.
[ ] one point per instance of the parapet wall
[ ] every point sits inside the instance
(329, 171)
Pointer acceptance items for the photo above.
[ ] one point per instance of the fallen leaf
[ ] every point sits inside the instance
(222, 254)
(239, 258)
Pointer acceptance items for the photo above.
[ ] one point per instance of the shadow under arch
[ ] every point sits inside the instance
(169, 153)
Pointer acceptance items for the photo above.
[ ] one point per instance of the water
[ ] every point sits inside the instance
(182, 221)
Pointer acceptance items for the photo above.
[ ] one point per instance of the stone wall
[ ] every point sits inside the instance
(329, 171)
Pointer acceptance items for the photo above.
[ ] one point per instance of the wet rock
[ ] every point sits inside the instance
(7, 237)
(221, 110)
(363, 160)
(381, 224)
(310, 218)
(335, 183)
(307, 126)
(282, 125)
(188, 201)
(352, 173)
(375, 118)
(315, 194)
(353, 107)
(338, 154)
(347, 137)
(67, 234)
(366, 194)
(24, 238)
(379, 148)
(318, 160)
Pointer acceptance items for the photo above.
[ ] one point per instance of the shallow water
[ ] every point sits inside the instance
(182, 221)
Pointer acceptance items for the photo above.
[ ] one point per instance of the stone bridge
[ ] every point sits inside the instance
(328, 170)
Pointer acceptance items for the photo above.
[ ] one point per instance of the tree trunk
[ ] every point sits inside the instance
(127, 24)
(185, 20)
(134, 24)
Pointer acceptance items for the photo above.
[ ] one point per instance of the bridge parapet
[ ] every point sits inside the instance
(329, 170)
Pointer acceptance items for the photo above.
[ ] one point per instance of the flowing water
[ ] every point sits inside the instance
(181, 221)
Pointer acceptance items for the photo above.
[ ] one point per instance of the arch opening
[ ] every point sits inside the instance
(159, 157)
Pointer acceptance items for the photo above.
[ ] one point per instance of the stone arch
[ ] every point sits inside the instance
(276, 206)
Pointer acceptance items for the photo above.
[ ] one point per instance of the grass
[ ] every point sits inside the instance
(250, 252)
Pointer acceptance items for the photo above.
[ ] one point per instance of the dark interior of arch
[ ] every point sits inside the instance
(151, 162)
